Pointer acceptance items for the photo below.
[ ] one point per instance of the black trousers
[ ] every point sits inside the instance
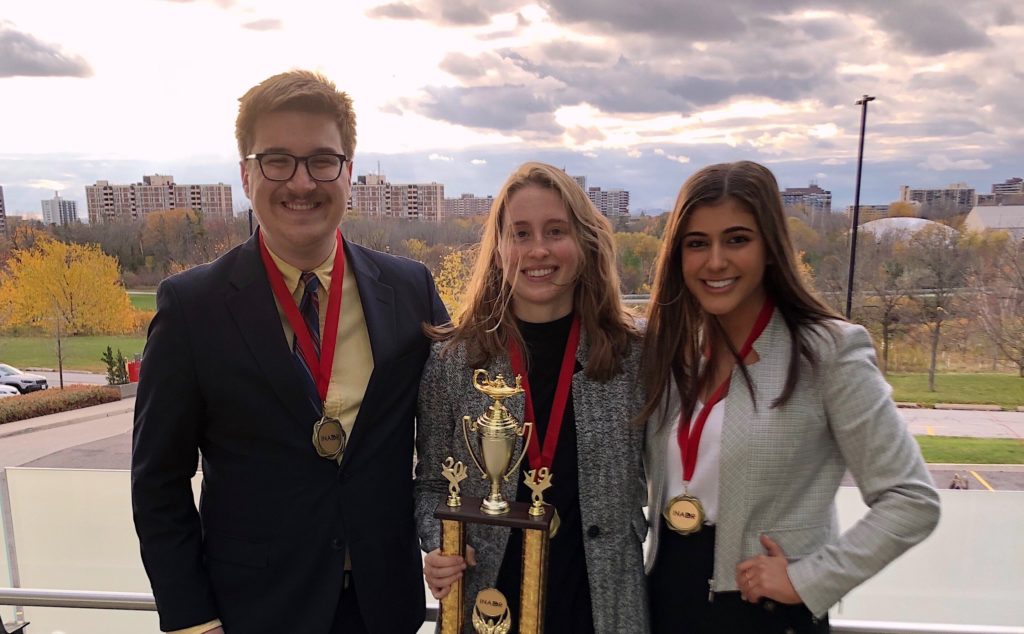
(679, 590)
(347, 618)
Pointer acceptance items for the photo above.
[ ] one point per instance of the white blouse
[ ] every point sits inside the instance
(704, 484)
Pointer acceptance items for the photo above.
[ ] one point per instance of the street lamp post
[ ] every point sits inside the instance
(863, 103)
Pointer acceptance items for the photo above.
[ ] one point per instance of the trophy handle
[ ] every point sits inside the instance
(527, 431)
(466, 423)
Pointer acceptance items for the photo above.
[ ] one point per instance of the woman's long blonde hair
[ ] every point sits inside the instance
(485, 322)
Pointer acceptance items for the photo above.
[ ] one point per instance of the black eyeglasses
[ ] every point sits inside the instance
(278, 166)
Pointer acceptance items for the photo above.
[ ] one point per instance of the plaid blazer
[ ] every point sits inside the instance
(611, 482)
(780, 467)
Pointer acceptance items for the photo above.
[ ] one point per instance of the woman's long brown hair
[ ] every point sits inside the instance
(678, 329)
(485, 322)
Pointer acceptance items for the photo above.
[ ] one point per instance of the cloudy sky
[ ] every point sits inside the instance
(635, 94)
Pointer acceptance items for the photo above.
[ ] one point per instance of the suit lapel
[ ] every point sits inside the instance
(735, 476)
(378, 302)
(252, 307)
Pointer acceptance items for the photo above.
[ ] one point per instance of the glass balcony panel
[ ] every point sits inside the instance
(73, 531)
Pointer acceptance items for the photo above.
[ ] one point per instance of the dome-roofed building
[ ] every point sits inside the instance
(902, 226)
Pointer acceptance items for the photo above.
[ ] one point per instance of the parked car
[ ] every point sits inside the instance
(22, 381)
(7, 390)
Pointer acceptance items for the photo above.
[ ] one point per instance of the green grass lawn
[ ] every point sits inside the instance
(80, 353)
(142, 301)
(1006, 390)
(960, 450)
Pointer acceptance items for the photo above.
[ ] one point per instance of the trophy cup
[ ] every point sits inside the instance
(495, 433)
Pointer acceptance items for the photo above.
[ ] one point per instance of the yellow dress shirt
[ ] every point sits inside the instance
(353, 357)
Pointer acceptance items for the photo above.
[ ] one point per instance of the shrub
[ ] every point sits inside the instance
(53, 401)
(117, 373)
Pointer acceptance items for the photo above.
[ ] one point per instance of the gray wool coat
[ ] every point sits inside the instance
(611, 480)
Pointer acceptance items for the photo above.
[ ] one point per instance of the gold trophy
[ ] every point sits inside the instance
(495, 433)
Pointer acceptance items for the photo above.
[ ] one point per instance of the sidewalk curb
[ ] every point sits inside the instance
(969, 407)
(64, 423)
(964, 407)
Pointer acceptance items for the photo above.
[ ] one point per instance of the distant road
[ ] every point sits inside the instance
(71, 378)
(944, 422)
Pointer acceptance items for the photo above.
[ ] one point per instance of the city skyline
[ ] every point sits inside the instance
(637, 95)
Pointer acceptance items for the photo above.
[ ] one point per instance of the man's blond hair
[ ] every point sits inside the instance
(295, 91)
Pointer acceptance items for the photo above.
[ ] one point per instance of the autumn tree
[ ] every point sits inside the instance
(637, 253)
(456, 268)
(999, 281)
(940, 260)
(885, 278)
(66, 289)
(902, 209)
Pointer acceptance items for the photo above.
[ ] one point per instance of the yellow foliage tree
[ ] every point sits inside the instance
(67, 289)
(901, 209)
(456, 268)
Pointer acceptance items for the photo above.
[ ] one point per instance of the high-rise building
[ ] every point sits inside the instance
(1009, 186)
(612, 203)
(372, 195)
(59, 211)
(867, 213)
(958, 197)
(581, 181)
(467, 205)
(812, 198)
(107, 202)
(3, 212)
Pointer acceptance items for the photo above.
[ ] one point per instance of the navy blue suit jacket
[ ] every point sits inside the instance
(266, 550)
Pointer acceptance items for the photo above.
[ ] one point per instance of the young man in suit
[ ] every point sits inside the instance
(291, 364)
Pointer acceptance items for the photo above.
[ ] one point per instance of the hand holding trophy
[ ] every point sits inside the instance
(495, 433)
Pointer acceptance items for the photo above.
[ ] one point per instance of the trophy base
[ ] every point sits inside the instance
(494, 507)
(535, 555)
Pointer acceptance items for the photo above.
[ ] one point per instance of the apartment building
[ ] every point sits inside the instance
(467, 205)
(108, 202)
(59, 211)
(867, 213)
(958, 197)
(612, 203)
(812, 198)
(373, 196)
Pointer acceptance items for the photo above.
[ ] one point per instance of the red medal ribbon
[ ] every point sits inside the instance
(321, 369)
(688, 443)
(545, 458)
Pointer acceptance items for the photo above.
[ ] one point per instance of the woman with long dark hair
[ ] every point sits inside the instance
(759, 399)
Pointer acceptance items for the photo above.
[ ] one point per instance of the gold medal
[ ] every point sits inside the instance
(329, 438)
(684, 514)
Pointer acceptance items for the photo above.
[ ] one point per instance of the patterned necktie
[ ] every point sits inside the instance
(309, 307)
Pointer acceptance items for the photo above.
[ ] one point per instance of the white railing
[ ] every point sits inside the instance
(71, 535)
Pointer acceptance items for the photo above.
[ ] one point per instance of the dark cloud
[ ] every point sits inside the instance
(929, 28)
(629, 87)
(509, 108)
(574, 52)
(1005, 16)
(463, 13)
(446, 12)
(683, 19)
(268, 24)
(22, 54)
(223, 4)
(396, 11)
(464, 66)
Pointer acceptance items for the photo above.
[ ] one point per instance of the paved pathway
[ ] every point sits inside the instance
(100, 438)
(946, 422)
